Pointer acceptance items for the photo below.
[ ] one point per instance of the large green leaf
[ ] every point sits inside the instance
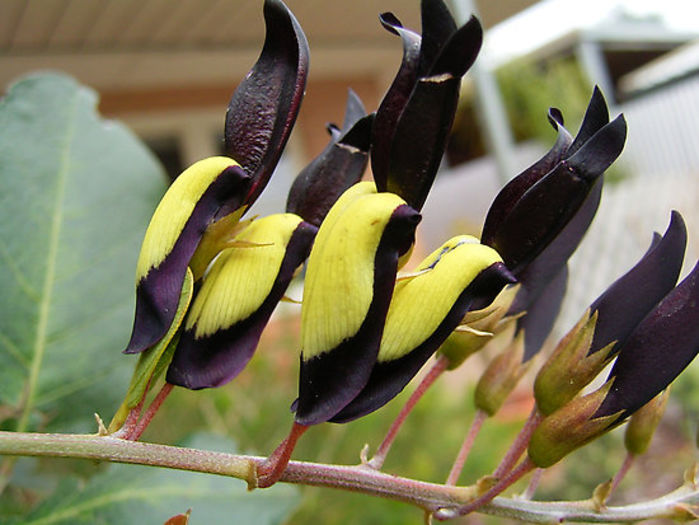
(76, 193)
(149, 496)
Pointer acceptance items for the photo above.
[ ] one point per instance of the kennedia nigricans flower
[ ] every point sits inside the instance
(349, 280)
(603, 330)
(543, 279)
(424, 310)
(249, 277)
(536, 222)
(658, 349)
(416, 114)
(259, 119)
(188, 207)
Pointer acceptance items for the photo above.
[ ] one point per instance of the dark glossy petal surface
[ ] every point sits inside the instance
(545, 209)
(596, 117)
(437, 27)
(542, 314)
(627, 301)
(535, 276)
(657, 351)
(214, 360)
(510, 194)
(340, 165)
(394, 100)
(264, 107)
(158, 293)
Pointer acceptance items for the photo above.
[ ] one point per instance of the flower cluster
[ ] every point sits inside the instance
(208, 279)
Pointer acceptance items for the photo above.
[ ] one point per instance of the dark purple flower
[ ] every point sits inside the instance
(259, 119)
(416, 114)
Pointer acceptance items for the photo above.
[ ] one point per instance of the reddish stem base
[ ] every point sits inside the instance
(273, 467)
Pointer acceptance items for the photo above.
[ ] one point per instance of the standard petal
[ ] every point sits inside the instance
(189, 205)
(394, 100)
(596, 117)
(236, 299)
(420, 134)
(530, 226)
(510, 194)
(349, 281)
(264, 107)
(629, 299)
(657, 351)
(340, 165)
(437, 27)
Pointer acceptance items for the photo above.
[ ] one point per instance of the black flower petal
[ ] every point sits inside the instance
(629, 299)
(264, 107)
(340, 165)
(657, 351)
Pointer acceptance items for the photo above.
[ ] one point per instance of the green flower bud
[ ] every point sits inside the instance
(478, 328)
(501, 377)
(642, 425)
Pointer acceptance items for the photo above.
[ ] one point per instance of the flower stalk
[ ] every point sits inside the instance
(429, 496)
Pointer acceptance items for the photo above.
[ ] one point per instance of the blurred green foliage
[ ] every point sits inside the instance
(529, 89)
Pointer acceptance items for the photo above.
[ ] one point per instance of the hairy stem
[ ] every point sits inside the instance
(429, 496)
(140, 428)
(439, 366)
(623, 470)
(466, 446)
(520, 444)
(511, 477)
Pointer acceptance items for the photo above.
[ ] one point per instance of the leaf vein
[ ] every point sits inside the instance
(50, 272)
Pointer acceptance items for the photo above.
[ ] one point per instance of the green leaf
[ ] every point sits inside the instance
(145, 495)
(76, 193)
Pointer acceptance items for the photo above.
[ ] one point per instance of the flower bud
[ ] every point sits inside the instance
(642, 425)
(478, 328)
(501, 377)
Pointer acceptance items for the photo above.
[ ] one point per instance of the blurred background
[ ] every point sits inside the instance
(167, 69)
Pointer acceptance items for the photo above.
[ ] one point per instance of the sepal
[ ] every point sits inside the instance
(569, 428)
(153, 362)
(569, 369)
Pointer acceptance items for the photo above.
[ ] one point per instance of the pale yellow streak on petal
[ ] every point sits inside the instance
(420, 304)
(240, 279)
